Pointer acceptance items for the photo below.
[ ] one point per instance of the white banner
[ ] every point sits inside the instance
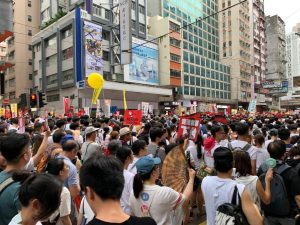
(107, 103)
(145, 108)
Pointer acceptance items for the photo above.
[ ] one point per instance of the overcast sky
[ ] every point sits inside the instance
(288, 10)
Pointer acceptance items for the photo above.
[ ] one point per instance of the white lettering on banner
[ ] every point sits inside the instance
(125, 31)
(145, 108)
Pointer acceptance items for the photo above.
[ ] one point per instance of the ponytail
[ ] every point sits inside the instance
(137, 185)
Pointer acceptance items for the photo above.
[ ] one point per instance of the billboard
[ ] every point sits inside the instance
(93, 48)
(144, 66)
(271, 84)
(283, 89)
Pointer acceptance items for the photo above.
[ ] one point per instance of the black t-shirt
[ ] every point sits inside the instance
(131, 221)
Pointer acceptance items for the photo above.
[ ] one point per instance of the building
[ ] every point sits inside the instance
(276, 58)
(50, 9)
(293, 71)
(259, 47)
(296, 28)
(62, 60)
(205, 78)
(235, 49)
(18, 78)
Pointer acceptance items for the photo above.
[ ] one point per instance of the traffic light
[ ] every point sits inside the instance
(42, 99)
(33, 101)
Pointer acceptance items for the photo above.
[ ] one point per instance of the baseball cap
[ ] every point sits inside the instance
(89, 130)
(66, 138)
(145, 164)
(124, 131)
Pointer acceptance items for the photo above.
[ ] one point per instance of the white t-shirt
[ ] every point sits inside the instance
(132, 167)
(267, 143)
(250, 183)
(64, 207)
(217, 191)
(262, 154)
(193, 153)
(162, 203)
(208, 158)
(17, 220)
(127, 191)
(86, 210)
(241, 144)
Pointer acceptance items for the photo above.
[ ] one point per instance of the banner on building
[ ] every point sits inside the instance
(252, 106)
(67, 106)
(132, 117)
(145, 108)
(125, 31)
(189, 126)
(93, 48)
(7, 112)
(144, 66)
(14, 110)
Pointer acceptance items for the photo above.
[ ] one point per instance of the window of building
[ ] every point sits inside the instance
(174, 26)
(203, 92)
(175, 73)
(186, 79)
(12, 82)
(67, 33)
(192, 80)
(51, 41)
(52, 60)
(29, 18)
(67, 53)
(68, 75)
(186, 90)
(192, 91)
(133, 24)
(142, 9)
(174, 42)
(30, 76)
(53, 98)
(107, 14)
(29, 32)
(12, 95)
(52, 79)
(186, 67)
(37, 47)
(175, 58)
(142, 28)
(29, 47)
(97, 10)
(105, 56)
(30, 62)
(133, 5)
(29, 3)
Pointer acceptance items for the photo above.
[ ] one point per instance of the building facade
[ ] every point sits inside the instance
(18, 78)
(235, 49)
(204, 78)
(61, 55)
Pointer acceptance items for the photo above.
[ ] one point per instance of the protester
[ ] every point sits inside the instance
(139, 149)
(219, 189)
(144, 135)
(103, 182)
(261, 153)
(154, 149)
(125, 137)
(285, 135)
(90, 147)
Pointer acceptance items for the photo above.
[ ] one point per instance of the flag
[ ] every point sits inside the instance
(124, 99)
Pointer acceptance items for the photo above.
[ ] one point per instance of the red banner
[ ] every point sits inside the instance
(7, 112)
(132, 117)
(189, 126)
(67, 107)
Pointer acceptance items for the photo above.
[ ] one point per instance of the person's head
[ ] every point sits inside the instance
(218, 133)
(242, 163)
(102, 180)
(74, 126)
(284, 134)
(294, 139)
(58, 135)
(91, 133)
(223, 160)
(75, 120)
(294, 153)
(139, 148)
(60, 124)
(293, 128)
(70, 148)
(273, 133)
(114, 135)
(277, 149)
(242, 129)
(113, 146)
(39, 196)
(156, 134)
(259, 140)
(3, 129)
(125, 155)
(16, 149)
(15, 121)
(147, 169)
(147, 127)
(38, 127)
(59, 168)
(125, 134)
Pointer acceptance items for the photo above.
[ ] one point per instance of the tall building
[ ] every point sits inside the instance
(296, 28)
(51, 8)
(18, 78)
(235, 48)
(66, 52)
(259, 47)
(276, 58)
(205, 78)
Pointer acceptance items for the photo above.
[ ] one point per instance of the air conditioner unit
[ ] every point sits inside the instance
(114, 77)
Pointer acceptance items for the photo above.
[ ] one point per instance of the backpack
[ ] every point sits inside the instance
(245, 148)
(231, 213)
(279, 205)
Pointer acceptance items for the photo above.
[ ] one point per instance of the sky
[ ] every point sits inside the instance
(288, 10)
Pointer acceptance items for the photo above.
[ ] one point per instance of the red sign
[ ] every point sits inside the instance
(5, 101)
(7, 112)
(67, 107)
(132, 117)
(189, 126)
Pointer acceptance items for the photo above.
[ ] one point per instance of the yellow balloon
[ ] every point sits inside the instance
(95, 80)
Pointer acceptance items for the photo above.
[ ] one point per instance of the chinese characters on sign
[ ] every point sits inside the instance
(132, 117)
(189, 126)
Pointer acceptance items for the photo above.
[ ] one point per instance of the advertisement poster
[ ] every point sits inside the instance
(14, 110)
(2, 112)
(189, 126)
(145, 108)
(66, 106)
(252, 106)
(132, 117)
(144, 66)
(93, 48)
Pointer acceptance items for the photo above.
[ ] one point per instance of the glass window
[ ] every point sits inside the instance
(186, 67)
(217, 75)
(208, 73)
(198, 70)
(166, 5)
(52, 60)
(52, 79)
(213, 84)
(68, 75)
(192, 80)
(142, 9)
(185, 35)
(142, 28)
(53, 98)
(212, 74)
(175, 58)
(202, 62)
(192, 58)
(203, 92)
(208, 83)
(221, 77)
(208, 93)
(29, 18)
(186, 90)
(186, 79)
(213, 94)
(185, 55)
(192, 91)
(221, 86)
(217, 85)
(221, 94)
(29, 3)
(29, 32)
(202, 72)
(197, 91)
(198, 81)
(202, 82)
(217, 94)
(197, 60)
(67, 53)
(192, 69)
(166, 14)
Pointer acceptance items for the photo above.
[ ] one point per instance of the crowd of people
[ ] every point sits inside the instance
(96, 171)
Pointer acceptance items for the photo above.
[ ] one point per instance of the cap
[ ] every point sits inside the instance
(66, 138)
(145, 164)
(124, 131)
(273, 132)
(89, 130)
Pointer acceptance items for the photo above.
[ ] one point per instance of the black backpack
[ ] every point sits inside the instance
(231, 213)
(279, 205)
(245, 148)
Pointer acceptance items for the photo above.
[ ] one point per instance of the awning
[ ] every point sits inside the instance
(5, 35)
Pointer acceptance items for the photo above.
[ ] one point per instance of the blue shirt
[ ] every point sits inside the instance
(73, 176)
(9, 200)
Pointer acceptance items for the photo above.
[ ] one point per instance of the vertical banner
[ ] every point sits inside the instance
(125, 31)
(7, 112)
(14, 110)
(107, 103)
(228, 110)
(124, 99)
(98, 108)
(66, 106)
(252, 106)
(151, 109)
(145, 108)
(189, 126)
(2, 112)
(93, 48)
(21, 123)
